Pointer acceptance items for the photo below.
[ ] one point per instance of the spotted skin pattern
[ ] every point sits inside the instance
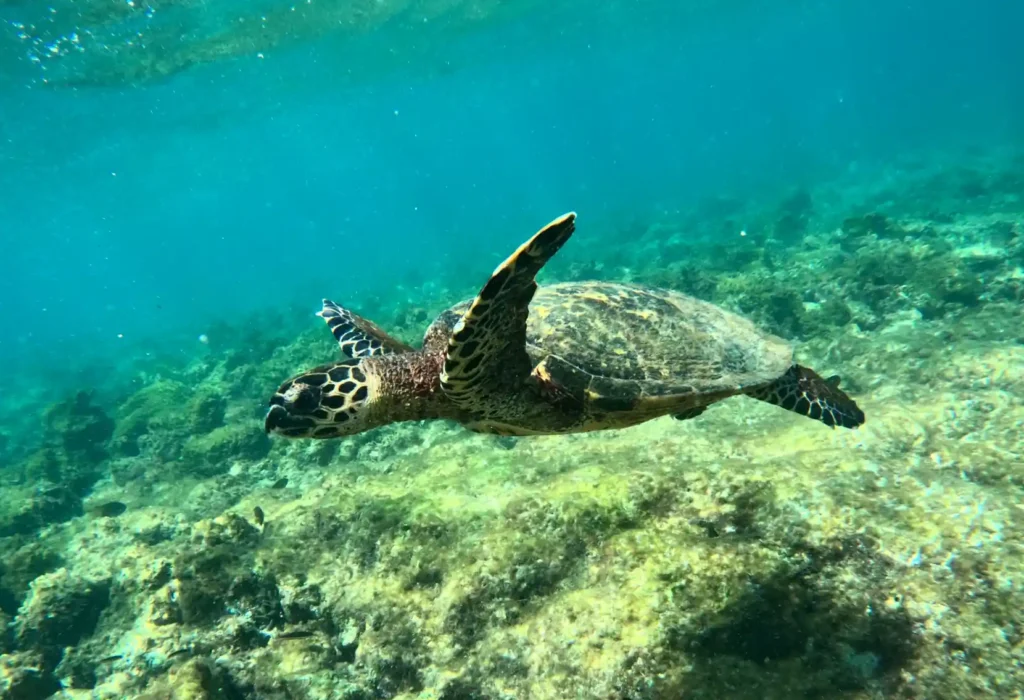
(356, 336)
(319, 402)
(802, 391)
(573, 357)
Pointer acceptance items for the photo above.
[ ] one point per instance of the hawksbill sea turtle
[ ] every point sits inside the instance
(572, 357)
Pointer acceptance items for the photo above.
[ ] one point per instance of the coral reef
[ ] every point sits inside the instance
(745, 554)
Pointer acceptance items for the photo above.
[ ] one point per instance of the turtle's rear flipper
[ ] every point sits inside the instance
(356, 336)
(802, 391)
(486, 359)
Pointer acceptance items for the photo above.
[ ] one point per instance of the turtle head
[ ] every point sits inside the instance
(329, 401)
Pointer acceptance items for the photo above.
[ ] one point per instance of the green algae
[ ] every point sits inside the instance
(61, 469)
(213, 452)
(151, 411)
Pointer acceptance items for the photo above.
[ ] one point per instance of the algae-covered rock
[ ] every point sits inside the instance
(858, 230)
(794, 215)
(44, 464)
(153, 412)
(214, 452)
(195, 679)
(78, 667)
(6, 641)
(212, 581)
(948, 279)
(792, 609)
(42, 506)
(23, 561)
(216, 578)
(23, 677)
(772, 303)
(83, 427)
(60, 610)
(74, 446)
(205, 412)
(893, 275)
(685, 277)
(543, 545)
(822, 318)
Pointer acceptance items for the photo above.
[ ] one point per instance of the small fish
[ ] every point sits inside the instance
(280, 483)
(257, 513)
(108, 659)
(294, 634)
(179, 652)
(111, 509)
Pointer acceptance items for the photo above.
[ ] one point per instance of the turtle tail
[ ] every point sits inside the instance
(803, 391)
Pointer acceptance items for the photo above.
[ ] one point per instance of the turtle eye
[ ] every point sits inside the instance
(302, 398)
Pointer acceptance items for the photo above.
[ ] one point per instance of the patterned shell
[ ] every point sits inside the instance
(658, 341)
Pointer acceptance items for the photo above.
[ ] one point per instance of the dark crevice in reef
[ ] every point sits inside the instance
(550, 546)
(846, 642)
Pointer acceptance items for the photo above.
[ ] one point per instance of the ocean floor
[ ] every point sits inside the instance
(161, 546)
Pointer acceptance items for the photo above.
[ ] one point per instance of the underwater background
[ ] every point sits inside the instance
(181, 182)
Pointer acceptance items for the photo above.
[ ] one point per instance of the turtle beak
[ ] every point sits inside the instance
(281, 421)
(290, 410)
(277, 417)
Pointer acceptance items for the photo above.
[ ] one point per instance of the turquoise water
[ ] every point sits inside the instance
(182, 182)
(249, 184)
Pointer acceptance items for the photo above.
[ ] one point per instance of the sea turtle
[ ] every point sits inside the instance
(563, 358)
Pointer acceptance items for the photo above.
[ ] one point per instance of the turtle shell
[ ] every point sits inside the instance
(634, 341)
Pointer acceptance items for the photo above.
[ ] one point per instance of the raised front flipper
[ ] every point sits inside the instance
(356, 336)
(486, 363)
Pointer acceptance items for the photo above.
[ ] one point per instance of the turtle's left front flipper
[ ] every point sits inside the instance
(486, 360)
(357, 337)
